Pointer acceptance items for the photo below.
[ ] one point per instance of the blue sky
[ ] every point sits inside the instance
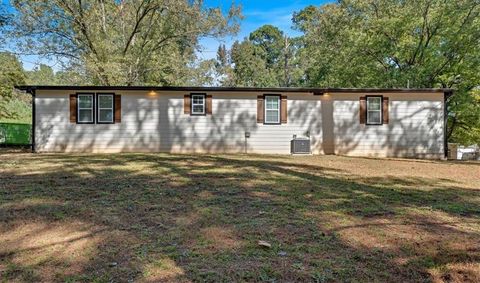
(256, 13)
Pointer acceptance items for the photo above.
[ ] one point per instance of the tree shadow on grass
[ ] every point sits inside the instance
(159, 217)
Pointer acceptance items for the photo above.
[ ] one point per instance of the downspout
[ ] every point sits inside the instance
(32, 92)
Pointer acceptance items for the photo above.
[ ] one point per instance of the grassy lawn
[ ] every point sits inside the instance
(182, 218)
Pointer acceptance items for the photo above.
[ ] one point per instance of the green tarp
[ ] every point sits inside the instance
(15, 134)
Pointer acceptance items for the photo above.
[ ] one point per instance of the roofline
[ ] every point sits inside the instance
(318, 91)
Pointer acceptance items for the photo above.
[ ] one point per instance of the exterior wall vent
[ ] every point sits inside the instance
(300, 146)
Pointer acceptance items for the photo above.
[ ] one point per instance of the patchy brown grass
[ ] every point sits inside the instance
(184, 218)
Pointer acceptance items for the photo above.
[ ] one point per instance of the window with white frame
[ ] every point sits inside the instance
(374, 110)
(105, 108)
(272, 109)
(85, 108)
(198, 104)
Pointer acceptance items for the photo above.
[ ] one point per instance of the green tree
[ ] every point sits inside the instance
(305, 19)
(270, 43)
(223, 67)
(266, 58)
(12, 102)
(389, 43)
(279, 53)
(222, 56)
(250, 69)
(120, 42)
(463, 123)
(45, 75)
(71, 76)
(291, 64)
(41, 75)
(202, 73)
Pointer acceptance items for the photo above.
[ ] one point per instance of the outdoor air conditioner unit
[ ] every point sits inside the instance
(300, 145)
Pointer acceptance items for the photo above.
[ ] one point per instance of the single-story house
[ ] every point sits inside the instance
(361, 122)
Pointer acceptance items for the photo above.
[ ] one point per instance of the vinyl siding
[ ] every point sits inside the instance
(415, 128)
(158, 123)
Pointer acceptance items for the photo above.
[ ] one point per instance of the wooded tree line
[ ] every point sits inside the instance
(349, 43)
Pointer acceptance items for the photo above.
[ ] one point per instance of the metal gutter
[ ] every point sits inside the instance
(315, 91)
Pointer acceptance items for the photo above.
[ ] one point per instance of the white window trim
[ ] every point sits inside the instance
(266, 110)
(105, 108)
(203, 96)
(379, 110)
(85, 108)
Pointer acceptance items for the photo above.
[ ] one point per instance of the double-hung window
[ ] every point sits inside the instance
(374, 110)
(272, 109)
(85, 108)
(198, 104)
(105, 110)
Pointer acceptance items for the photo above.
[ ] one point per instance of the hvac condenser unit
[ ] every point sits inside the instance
(300, 146)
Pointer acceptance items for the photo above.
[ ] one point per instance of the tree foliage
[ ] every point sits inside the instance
(41, 75)
(250, 68)
(223, 68)
(12, 102)
(266, 58)
(268, 40)
(15, 106)
(391, 43)
(121, 42)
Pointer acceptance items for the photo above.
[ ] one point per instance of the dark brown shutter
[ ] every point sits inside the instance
(385, 110)
(73, 108)
(363, 110)
(186, 104)
(209, 105)
(260, 109)
(283, 109)
(118, 108)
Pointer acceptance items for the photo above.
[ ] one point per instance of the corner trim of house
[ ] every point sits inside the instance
(34, 118)
(446, 95)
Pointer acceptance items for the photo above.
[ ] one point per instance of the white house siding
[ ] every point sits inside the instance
(156, 122)
(415, 128)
